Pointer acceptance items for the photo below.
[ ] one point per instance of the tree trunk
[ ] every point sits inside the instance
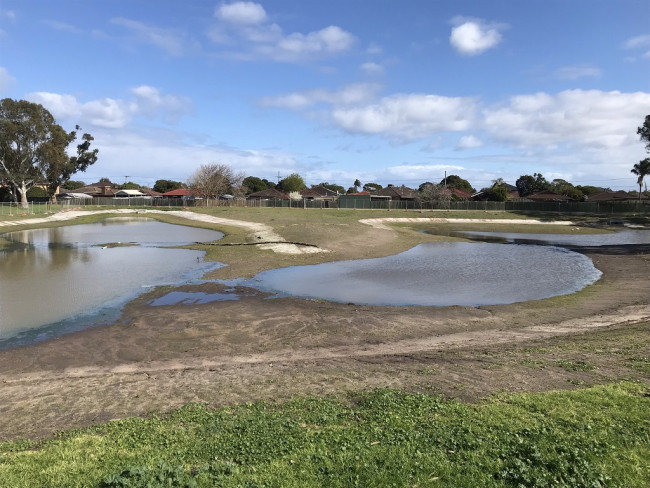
(23, 195)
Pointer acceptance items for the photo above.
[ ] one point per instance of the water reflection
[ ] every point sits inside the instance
(626, 237)
(440, 274)
(51, 276)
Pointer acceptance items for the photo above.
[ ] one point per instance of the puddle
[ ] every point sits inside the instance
(439, 274)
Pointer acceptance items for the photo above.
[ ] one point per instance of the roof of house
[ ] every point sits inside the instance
(71, 194)
(548, 196)
(463, 195)
(612, 196)
(398, 192)
(150, 192)
(179, 192)
(130, 193)
(318, 191)
(104, 190)
(269, 193)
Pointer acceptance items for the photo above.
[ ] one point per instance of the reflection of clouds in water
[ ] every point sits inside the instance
(440, 274)
(49, 275)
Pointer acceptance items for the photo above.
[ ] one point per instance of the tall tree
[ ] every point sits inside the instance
(291, 183)
(213, 180)
(527, 184)
(372, 187)
(641, 169)
(644, 132)
(163, 186)
(33, 148)
(356, 184)
(458, 183)
(254, 184)
(332, 186)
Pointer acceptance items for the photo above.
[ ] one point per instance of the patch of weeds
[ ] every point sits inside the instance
(640, 363)
(575, 365)
(427, 371)
(534, 363)
(162, 475)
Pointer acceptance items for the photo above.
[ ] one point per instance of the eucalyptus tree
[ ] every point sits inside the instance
(641, 169)
(34, 149)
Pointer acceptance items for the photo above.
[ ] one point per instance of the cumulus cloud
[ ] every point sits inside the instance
(114, 113)
(257, 37)
(165, 154)
(591, 118)
(408, 117)
(468, 142)
(474, 36)
(244, 13)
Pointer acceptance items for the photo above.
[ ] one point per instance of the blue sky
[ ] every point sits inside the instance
(382, 91)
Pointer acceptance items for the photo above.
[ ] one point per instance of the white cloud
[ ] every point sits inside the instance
(474, 36)
(248, 23)
(578, 71)
(114, 113)
(349, 95)
(587, 118)
(639, 43)
(468, 142)
(163, 154)
(371, 68)
(407, 117)
(244, 13)
(6, 80)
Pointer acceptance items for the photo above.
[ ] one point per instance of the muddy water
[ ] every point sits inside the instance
(440, 274)
(50, 277)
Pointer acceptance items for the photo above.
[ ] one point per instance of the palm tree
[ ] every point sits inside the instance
(641, 169)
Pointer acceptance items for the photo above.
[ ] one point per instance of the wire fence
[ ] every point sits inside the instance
(44, 207)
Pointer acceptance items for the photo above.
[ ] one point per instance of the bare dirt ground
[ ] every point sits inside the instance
(158, 358)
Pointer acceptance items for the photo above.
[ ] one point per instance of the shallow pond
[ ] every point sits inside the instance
(439, 274)
(55, 276)
(624, 237)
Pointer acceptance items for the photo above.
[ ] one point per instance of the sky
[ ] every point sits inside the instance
(385, 91)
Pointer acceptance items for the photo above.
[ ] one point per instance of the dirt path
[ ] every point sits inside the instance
(157, 358)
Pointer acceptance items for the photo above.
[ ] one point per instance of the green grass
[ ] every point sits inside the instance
(594, 437)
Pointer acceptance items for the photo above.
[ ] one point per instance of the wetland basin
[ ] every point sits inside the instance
(53, 279)
(439, 274)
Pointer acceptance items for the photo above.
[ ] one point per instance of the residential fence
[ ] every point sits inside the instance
(608, 208)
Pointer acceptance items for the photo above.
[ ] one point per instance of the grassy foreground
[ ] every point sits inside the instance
(594, 437)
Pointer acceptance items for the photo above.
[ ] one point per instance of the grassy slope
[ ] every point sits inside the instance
(593, 437)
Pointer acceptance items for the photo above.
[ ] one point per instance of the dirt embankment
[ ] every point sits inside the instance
(157, 358)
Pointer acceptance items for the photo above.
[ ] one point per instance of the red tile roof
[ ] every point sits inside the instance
(180, 192)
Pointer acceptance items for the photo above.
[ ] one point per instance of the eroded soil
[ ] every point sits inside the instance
(159, 358)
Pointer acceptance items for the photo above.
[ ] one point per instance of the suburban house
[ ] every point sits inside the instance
(268, 194)
(548, 196)
(319, 193)
(104, 188)
(457, 194)
(181, 193)
(397, 193)
(614, 196)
